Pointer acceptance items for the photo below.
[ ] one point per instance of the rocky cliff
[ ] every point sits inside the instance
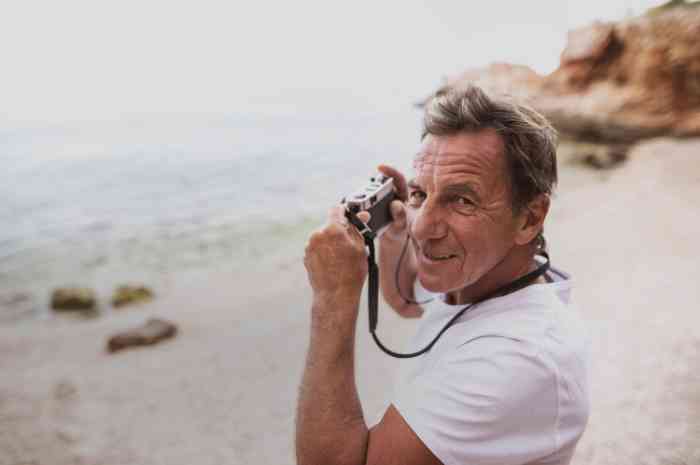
(616, 82)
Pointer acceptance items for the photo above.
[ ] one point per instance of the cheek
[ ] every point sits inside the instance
(472, 232)
(480, 237)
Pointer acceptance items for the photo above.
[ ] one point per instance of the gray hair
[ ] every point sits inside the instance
(530, 141)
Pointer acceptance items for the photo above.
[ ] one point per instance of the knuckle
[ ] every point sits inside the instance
(315, 238)
(334, 230)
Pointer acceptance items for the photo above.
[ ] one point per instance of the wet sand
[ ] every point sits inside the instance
(224, 390)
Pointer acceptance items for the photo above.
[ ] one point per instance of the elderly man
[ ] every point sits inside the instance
(507, 382)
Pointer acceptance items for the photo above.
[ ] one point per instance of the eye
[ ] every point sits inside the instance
(415, 198)
(465, 201)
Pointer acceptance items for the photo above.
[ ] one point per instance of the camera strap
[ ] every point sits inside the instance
(373, 290)
(373, 271)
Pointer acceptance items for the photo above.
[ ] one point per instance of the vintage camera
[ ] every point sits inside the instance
(375, 198)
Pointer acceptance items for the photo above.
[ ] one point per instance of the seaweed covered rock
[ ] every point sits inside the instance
(128, 294)
(68, 299)
(151, 332)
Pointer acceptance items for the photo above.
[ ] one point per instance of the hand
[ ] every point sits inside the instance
(336, 260)
(398, 228)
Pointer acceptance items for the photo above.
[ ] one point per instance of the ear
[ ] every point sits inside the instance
(531, 219)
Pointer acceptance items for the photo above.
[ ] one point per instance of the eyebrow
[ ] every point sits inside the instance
(462, 188)
(457, 188)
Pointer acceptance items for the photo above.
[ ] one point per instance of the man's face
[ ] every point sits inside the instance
(460, 204)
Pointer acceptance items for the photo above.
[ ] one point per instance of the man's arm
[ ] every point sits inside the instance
(391, 244)
(330, 428)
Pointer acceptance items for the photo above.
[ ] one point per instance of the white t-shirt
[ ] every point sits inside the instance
(506, 384)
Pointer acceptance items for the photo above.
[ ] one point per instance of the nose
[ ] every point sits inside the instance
(429, 223)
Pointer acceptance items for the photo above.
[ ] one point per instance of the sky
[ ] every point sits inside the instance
(96, 59)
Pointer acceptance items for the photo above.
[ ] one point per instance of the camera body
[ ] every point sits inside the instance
(375, 198)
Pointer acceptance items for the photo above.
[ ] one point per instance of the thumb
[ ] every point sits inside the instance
(398, 214)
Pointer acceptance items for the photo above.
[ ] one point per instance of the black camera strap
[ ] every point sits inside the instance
(373, 290)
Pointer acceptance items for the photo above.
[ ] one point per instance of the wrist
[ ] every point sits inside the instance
(335, 298)
(335, 311)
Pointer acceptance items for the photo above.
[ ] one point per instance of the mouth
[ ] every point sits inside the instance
(430, 257)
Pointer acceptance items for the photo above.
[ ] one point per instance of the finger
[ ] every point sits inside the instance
(364, 216)
(398, 214)
(399, 180)
(354, 232)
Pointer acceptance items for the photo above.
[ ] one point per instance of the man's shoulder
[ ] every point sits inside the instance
(511, 374)
(533, 314)
(536, 323)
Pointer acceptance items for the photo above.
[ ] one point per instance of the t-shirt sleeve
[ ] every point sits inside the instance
(492, 400)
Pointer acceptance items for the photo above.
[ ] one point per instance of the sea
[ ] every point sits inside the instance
(146, 198)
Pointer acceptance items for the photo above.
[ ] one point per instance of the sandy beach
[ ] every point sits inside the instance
(224, 390)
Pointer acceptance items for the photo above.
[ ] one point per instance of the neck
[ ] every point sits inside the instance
(516, 264)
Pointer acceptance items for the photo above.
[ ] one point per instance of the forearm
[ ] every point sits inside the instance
(330, 425)
(389, 254)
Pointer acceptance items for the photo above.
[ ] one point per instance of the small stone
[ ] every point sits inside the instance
(18, 298)
(127, 295)
(73, 299)
(68, 435)
(15, 306)
(606, 159)
(64, 390)
(151, 332)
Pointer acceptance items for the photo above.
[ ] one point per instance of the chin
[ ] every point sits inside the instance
(434, 284)
(443, 284)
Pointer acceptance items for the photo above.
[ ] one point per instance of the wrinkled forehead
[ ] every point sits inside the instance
(474, 153)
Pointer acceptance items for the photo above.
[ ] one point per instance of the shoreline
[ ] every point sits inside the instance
(166, 260)
(224, 390)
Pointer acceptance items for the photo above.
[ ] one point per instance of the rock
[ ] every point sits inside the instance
(17, 298)
(151, 332)
(15, 306)
(591, 155)
(587, 44)
(672, 4)
(73, 299)
(643, 80)
(616, 82)
(586, 48)
(607, 158)
(127, 295)
(503, 78)
(68, 434)
(64, 390)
